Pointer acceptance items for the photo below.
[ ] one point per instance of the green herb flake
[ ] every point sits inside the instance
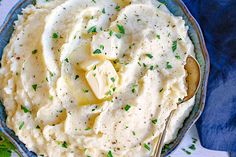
(64, 144)
(168, 66)
(154, 121)
(97, 51)
(147, 146)
(103, 11)
(110, 32)
(92, 29)
(23, 108)
(121, 29)
(161, 90)
(113, 79)
(109, 154)
(21, 125)
(151, 67)
(177, 56)
(93, 1)
(158, 36)
(174, 45)
(101, 47)
(55, 35)
(127, 107)
(192, 147)
(34, 51)
(117, 8)
(34, 86)
(149, 55)
(67, 60)
(133, 133)
(118, 35)
(186, 151)
(133, 89)
(85, 90)
(88, 128)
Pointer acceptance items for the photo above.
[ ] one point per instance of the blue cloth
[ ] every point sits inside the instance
(217, 125)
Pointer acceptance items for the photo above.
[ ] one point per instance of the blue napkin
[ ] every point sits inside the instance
(217, 125)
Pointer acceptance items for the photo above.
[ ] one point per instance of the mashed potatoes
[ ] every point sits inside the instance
(95, 78)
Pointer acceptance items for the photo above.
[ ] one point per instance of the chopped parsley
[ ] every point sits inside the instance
(21, 125)
(174, 45)
(67, 60)
(34, 86)
(97, 51)
(151, 67)
(109, 154)
(88, 128)
(117, 8)
(92, 29)
(93, 1)
(127, 107)
(133, 133)
(113, 79)
(95, 67)
(161, 90)
(118, 35)
(121, 29)
(85, 90)
(34, 51)
(192, 147)
(154, 121)
(134, 88)
(158, 36)
(103, 11)
(23, 108)
(186, 151)
(76, 77)
(110, 32)
(149, 55)
(101, 47)
(168, 66)
(64, 144)
(177, 56)
(55, 35)
(147, 146)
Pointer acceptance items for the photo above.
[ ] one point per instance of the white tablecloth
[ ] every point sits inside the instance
(6, 5)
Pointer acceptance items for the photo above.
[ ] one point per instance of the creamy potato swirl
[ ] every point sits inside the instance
(94, 77)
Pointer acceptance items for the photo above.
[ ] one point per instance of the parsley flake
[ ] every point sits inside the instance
(174, 45)
(103, 11)
(158, 36)
(113, 79)
(121, 29)
(149, 55)
(67, 60)
(146, 146)
(168, 66)
(55, 35)
(118, 35)
(24, 109)
(117, 8)
(127, 107)
(64, 144)
(92, 29)
(97, 51)
(21, 125)
(34, 86)
(109, 154)
(34, 51)
(154, 121)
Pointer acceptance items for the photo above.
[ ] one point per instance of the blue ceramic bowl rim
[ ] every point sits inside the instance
(22, 149)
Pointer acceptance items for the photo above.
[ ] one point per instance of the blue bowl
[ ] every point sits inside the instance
(178, 8)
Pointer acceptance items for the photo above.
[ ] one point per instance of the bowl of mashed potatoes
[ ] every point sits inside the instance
(98, 77)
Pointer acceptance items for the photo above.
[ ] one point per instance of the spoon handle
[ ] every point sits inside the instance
(161, 139)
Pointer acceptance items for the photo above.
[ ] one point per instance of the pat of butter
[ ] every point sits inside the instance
(89, 64)
(103, 79)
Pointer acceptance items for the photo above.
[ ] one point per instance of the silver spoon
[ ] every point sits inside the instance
(193, 80)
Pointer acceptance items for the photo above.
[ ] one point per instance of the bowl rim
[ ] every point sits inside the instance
(203, 89)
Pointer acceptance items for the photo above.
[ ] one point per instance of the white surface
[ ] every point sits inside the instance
(6, 5)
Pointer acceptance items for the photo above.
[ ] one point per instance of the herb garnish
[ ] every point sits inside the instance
(34, 51)
(67, 60)
(158, 36)
(174, 45)
(127, 107)
(186, 151)
(24, 109)
(34, 86)
(146, 146)
(92, 29)
(121, 29)
(113, 79)
(21, 125)
(168, 66)
(55, 35)
(118, 35)
(149, 55)
(154, 121)
(109, 154)
(103, 11)
(97, 51)
(85, 90)
(117, 8)
(64, 144)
